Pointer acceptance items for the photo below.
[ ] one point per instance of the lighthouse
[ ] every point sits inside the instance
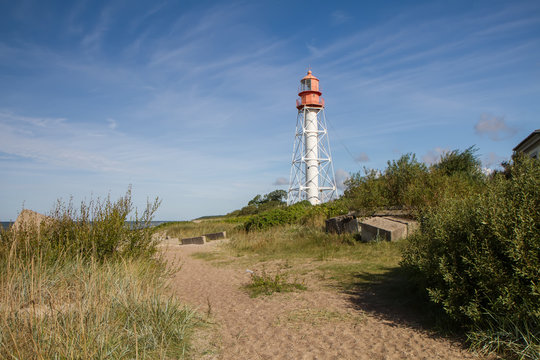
(312, 172)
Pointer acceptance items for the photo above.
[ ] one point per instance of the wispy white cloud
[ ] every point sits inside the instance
(363, 157)
(492, 160)
(112, 123)
(494, 127)
(339, 17)
(208, 92)
(433, 156)
(280, 181)
(91, 41)
(341, 176)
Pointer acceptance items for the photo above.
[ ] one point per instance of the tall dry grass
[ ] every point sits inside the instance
(66, 293)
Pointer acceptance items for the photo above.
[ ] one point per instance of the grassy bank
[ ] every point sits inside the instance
(90, 310)
(186, 229)
(296, 251)
(474, 263)
(83, 285)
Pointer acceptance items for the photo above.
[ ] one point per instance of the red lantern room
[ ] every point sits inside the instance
(309, 93)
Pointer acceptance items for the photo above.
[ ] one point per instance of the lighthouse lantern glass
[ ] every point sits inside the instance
(306, 84)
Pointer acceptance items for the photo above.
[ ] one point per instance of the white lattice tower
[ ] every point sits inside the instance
(312, 172)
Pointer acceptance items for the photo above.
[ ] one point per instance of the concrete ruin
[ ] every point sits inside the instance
(198, 240)
(216, 236)
(344, 224)
(381, 227)
(386, 229)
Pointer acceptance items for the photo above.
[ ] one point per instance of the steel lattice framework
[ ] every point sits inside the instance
(298, 176)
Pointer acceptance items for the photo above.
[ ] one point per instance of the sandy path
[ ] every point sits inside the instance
(319, 323)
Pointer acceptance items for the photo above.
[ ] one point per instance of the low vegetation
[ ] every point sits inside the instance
(479, 258)
(409, 184)
(186, 229)
(86, 284)
(474, 265)
(265, 284)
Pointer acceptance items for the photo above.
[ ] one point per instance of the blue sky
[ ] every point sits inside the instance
(194, 101)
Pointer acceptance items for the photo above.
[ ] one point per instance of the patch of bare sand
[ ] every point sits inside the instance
(319, 323)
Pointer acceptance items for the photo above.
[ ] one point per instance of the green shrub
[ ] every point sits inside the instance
(99, 229)
(479, 258)
(366, 192)
(465, 163)
(85, 285)
(399, 175)
(265, 284)
(258, 204)
(407, 183)
(279, 216)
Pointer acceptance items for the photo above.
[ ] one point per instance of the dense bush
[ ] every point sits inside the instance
(365, 192)
(299, 213)
(408, 183)
(464, 163)
(261, 203)
(278, 216)
(479, 258)
(99, 230)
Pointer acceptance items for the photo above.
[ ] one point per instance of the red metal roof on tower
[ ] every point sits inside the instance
(309, 92)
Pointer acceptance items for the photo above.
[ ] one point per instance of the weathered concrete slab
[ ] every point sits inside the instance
(343, 224)
(351, 226)
(216, 236)
(412, 225)
(393, 212)
(199, 240)
(382, 229)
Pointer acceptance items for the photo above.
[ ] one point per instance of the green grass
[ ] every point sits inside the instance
(265, 284)
(369, 272)
(302, 242)
(91, 310)
(186, 229)
(340, 259)
(85, 286)
(340, 262)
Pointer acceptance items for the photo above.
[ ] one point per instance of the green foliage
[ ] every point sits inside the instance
(399, 175)
(279, 216)
(98, 229)
(258, 204)
(366, 192)
(408, 183)
(277, 196)
(479, 258)
(86, 284)
(186, 229)
(265, 284)
(465, 163)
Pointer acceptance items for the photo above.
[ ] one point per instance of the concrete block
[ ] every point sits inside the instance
(216, 236)
(382, 228)
(351, 226)
(412, 225)
(199, 240)
(343, 224)
(332, 225)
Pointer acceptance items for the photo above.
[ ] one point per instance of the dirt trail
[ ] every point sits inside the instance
(319, 323)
